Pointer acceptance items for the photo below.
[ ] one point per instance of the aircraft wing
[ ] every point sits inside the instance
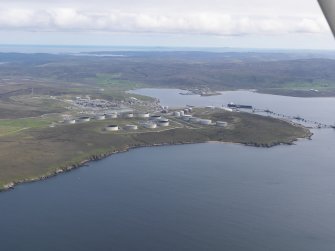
(328, 8)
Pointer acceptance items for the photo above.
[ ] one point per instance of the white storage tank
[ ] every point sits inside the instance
(142, 115)
(128, 115)
(221, 123)
(176, 114)
(187, 117)
(111, 116)
(182, 113)
(163, 122)
(205, 121)
(130, 127)
(100, 117)
(227, 109)
(150, 125)
(84, 119)
(70, 121)
(112, 128)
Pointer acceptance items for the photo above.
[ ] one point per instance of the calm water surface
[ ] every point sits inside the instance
(191, 197)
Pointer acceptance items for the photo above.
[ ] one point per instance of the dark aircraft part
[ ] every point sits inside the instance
(328, 8)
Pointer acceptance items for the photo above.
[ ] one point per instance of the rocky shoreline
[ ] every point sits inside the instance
(101, 156)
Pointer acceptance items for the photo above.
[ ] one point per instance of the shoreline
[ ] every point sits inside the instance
(93, 158)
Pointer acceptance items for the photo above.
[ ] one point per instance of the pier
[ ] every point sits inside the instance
(311, 124)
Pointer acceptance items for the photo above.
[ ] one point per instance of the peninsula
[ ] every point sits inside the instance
(58, 112)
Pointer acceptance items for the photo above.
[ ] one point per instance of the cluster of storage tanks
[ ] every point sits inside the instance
(186, 116)
(148, 124)
(200, 121)
(108, 116)
(191, 119)
(114, 128)
(153, 121)
(141, 115)
(85, 119)
(182, 113)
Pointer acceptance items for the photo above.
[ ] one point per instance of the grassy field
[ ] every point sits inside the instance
(10, 126)
(41, 151)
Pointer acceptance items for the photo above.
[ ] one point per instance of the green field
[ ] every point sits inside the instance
(12, 126)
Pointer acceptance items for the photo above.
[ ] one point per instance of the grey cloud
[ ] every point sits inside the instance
(210, 23)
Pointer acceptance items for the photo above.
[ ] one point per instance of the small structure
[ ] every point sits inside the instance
(182, 113)
(221, 123)
(84, 119)
(163, 122)
(130, 127)
(112, 128)
(100, 117)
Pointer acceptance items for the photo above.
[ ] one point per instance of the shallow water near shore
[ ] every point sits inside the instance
(190, 197)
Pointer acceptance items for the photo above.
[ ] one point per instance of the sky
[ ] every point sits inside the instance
(287, 24)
